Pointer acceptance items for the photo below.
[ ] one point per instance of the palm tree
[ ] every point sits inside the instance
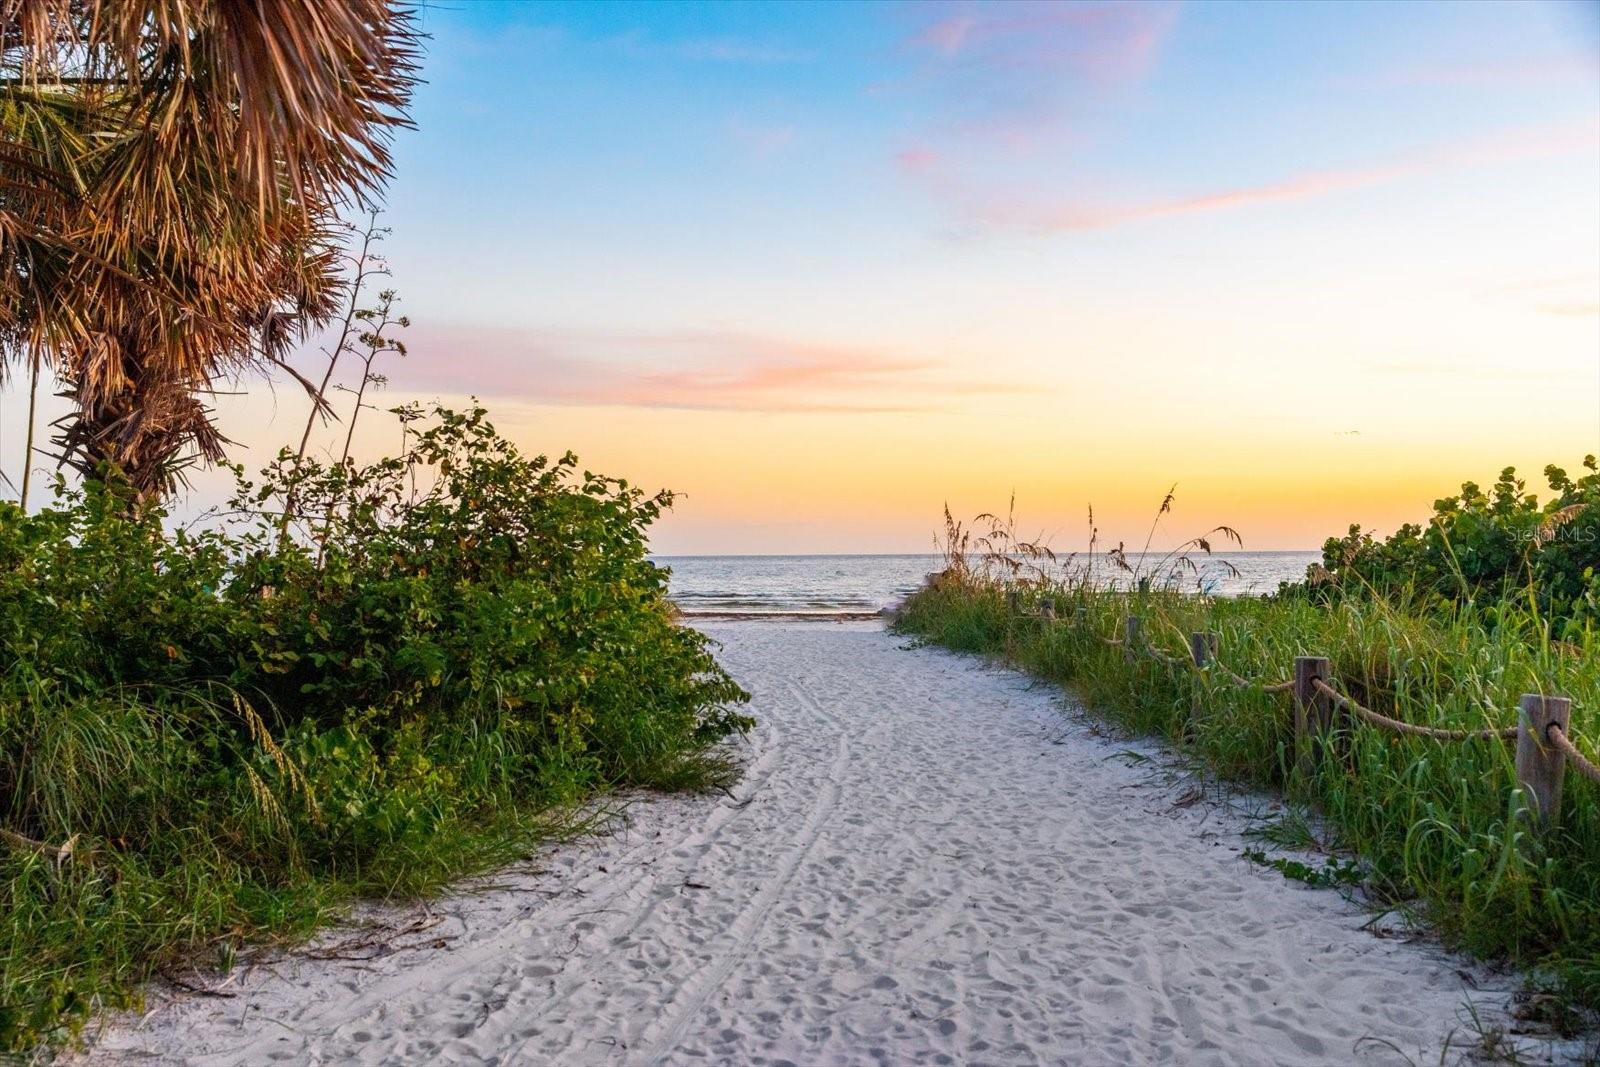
(171, 175)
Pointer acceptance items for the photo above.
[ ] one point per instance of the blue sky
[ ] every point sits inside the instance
(608, 143)
(826, 267)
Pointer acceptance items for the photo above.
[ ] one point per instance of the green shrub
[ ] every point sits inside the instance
(1486, 547)
(354, 679)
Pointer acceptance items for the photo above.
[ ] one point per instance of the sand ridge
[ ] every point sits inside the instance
(925, 863)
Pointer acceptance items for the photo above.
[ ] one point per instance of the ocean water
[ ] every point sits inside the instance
(842, 585)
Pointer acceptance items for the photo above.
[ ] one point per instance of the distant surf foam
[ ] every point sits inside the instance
(863, 587)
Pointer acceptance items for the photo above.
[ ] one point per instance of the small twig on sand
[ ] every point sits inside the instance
(381, 940)
(725, 791)
(199, 991)
(1193, 795)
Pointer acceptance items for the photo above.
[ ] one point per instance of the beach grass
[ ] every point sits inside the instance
(220, 739)
(1435, 827)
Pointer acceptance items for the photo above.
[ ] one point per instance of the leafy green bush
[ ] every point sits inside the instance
(1486, 546)
(355, 678)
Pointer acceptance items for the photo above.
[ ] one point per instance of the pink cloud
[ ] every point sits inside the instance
(1014, 209)
(916, 160)
(637, 44)
(1101, 41)
(1048, 217)
(999, 84)
(947, 36)
(703, 371)
(761, 141)
(1016, 72)
(1026, 89)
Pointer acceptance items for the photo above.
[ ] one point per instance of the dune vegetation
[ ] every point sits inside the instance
(216, 736)
(1444, 626)
(356, 678)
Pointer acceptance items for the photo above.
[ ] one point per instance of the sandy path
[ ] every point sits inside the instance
(919, 875)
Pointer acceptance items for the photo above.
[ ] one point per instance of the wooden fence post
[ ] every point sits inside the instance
(1011, 600)
(1313, 711)
(1540, 764)
(1130, 638)
(1203, 648)
(1081, 617)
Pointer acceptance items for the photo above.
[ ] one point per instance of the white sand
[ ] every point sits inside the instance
(933, 866)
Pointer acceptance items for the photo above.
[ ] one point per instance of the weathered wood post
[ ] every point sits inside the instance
(1130, 638)
(1540, 764)
(1081, 617)
(1203, 648)
(1313, 711)
(1011, 600)
(1047, 608)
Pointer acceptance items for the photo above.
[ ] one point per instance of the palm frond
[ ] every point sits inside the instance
(171, 173)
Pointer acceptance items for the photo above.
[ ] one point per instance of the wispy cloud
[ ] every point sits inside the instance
(1587, 280)
(1571, 310)
(637, 44)
(1022, 93)
(1497, 73)
(1452, 367)
(1562, 295)
(1015, 73)
(1029, 211)
(948, 36)
(916, 160)
(1098, 41)
(1008, 88)
(702, 371)
(761, 140)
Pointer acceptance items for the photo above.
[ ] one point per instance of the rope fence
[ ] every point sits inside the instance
(1410, 729)
(1559, 738)
(1544, 748)
(1241, 682)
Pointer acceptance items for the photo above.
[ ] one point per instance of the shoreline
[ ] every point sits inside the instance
(783, 616)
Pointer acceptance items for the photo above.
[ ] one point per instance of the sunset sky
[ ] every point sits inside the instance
(826, 267)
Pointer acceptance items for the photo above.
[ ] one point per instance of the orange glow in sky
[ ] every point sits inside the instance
(826, 268)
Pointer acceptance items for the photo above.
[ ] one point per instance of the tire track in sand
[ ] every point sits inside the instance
(662, 1037)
